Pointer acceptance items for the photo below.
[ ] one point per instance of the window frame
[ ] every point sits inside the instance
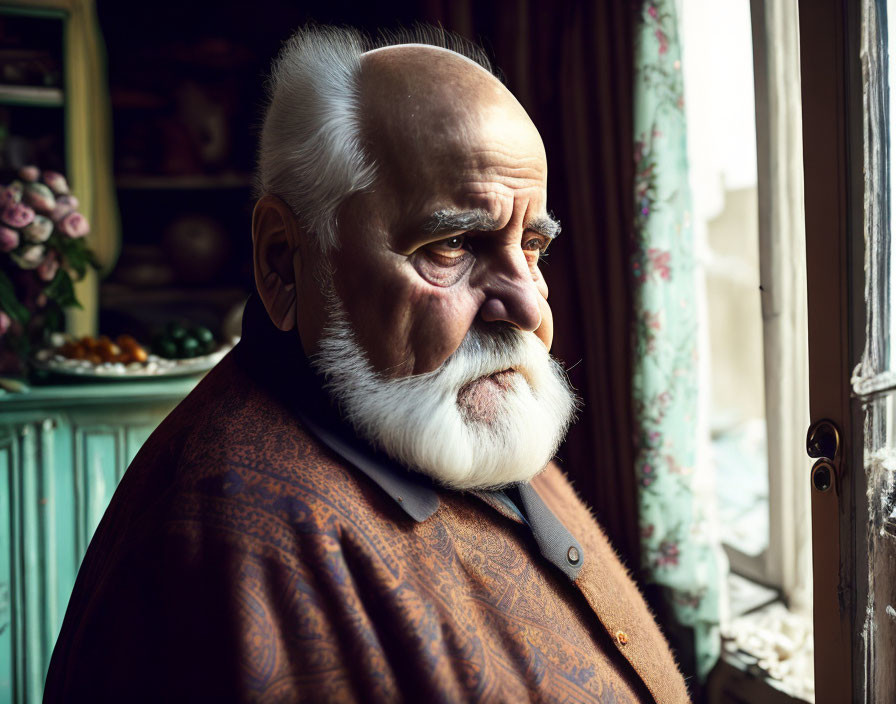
(833, 150)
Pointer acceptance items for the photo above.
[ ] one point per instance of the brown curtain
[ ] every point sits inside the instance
(570, 64)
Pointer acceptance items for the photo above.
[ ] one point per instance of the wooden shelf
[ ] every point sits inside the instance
(140, 182)
(78, 392)
(31, 96)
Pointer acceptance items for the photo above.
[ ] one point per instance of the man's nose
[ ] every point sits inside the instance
(511, 296)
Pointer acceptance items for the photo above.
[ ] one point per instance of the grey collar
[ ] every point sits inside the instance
(417, 496)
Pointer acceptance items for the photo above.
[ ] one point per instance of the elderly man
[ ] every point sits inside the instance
(358, 503)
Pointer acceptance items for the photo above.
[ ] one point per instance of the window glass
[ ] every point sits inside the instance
(720, 107)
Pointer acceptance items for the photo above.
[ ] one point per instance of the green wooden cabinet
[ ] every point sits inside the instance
(63, 450)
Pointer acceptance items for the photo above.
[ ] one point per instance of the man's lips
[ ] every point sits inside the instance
(503, 379)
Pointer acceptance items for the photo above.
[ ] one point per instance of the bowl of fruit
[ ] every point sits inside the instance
(179, 341)
(176, 350)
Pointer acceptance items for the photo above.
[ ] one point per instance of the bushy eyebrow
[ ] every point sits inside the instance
(450, 221)
(546, 225)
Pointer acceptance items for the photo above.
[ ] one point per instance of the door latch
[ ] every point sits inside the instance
(823, 444)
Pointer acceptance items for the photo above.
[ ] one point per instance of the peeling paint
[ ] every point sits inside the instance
(880, 469)
(880, 476)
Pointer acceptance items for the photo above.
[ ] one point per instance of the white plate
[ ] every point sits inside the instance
(154, 367)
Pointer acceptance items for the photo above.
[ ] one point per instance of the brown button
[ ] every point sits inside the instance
(573, 555)
(621, 637)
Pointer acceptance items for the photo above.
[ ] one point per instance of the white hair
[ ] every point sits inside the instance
(423, 422)
(311, 154)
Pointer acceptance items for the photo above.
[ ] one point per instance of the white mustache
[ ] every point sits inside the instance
(484, 352)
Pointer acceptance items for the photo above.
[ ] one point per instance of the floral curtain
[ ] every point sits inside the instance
(679, 554)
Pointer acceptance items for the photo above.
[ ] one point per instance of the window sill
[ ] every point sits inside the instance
(767, 656)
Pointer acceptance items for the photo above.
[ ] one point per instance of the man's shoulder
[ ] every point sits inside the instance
(233, 455)
(224, 526)
(228, 417)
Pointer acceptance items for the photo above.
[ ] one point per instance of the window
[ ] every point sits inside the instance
(745, 150)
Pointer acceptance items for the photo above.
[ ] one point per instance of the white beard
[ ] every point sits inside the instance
(432, 422)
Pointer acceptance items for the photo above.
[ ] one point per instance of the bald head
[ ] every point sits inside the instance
(311, 154)
(427, 109)
(421, 83)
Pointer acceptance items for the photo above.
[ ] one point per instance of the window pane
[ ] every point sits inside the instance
(720, 105)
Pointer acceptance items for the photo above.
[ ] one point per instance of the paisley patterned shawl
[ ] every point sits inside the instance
(242, 560)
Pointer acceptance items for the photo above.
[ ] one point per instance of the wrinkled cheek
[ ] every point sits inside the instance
(443, 319)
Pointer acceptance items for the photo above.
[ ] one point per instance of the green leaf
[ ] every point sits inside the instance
(10, 303)
(79, 265)
(76, 255)
(54, 319)
(62, 290)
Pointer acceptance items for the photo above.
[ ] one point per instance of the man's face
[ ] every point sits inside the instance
(437, 324)
(453, 229)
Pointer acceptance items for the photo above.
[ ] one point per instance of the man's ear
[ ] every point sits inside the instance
(276, 239)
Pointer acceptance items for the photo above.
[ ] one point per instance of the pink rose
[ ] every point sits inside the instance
(47, 269)
(74, 225)
(11, 194)
(64, 205)
(60, 211)
(17, 215)
(6, 197)
(56, 181)
(5, 322)
(9, 239)
(29, 173)
(39, 197)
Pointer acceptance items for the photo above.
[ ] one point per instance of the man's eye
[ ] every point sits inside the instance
(536, 244)
(452, 246)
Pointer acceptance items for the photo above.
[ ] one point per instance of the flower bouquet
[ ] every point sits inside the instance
(42, 253)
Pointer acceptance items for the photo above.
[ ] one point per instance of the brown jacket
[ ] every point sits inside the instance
(242, 560)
